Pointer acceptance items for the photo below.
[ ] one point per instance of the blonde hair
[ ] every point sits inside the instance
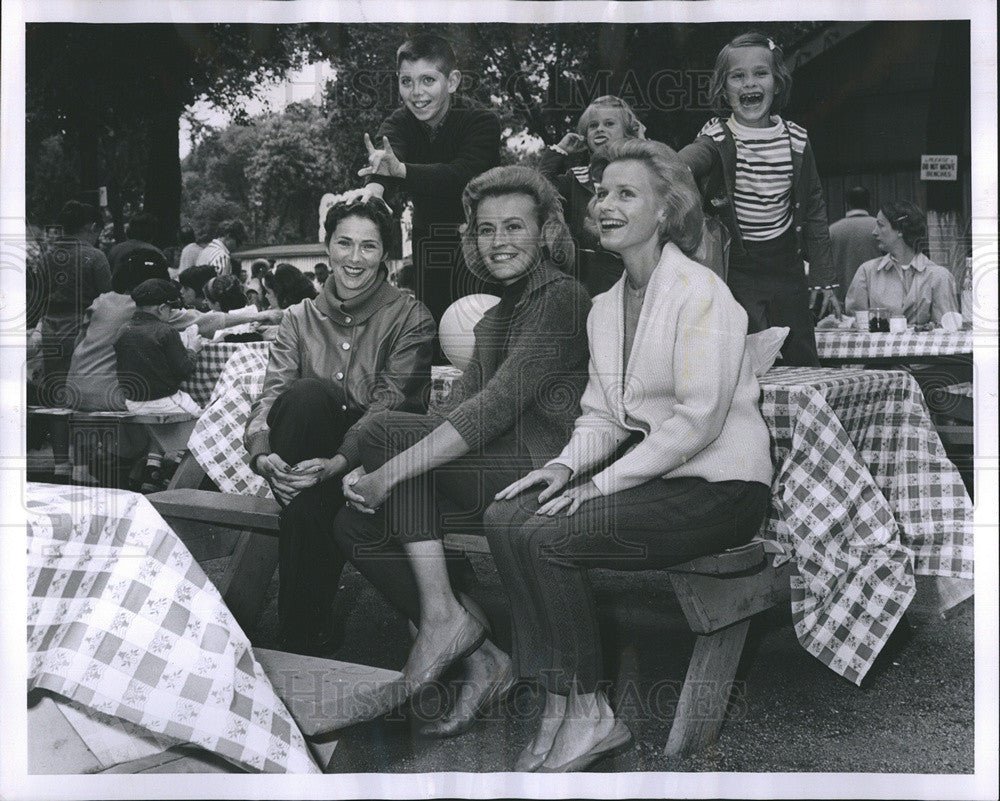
(634, 129)
(556, 243)
(672, 179)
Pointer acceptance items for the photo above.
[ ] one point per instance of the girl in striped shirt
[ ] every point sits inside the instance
(757, 173)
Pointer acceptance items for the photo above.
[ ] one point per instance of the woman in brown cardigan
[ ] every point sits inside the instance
(512, 409)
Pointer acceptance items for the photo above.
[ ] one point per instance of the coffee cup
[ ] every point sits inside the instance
(861, 319)
(897, 325)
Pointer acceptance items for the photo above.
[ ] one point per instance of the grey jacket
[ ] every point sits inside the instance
(374, 352)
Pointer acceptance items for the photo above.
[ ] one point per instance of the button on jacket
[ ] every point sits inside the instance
(372, 352)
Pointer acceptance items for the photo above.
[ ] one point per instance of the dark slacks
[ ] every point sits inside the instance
(307, 422)
(452, 497)
(543, 561)
(768, 281)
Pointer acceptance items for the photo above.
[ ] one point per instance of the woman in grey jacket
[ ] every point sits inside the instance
(360, 347)
(512, 409)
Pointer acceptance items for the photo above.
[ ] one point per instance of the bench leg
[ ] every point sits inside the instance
(701, 709)
(253, 563)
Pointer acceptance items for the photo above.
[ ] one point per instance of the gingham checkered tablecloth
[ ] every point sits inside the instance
(863, 498)
(217, 440)
(864, 494)
(863, 345)
(122, 620)
(212, 360)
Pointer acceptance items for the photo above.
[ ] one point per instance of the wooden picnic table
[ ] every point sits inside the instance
(864, 496)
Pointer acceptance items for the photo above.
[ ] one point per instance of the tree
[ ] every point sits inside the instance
(109, 88)
(269, 172)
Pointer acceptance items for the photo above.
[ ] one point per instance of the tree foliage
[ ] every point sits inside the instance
(269, 172)
(115, 93)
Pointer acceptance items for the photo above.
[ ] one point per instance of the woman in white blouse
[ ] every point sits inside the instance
(669, 460)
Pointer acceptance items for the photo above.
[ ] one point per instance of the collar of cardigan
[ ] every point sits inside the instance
(358, 309)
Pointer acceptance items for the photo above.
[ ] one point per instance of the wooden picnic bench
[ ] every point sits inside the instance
(97, 432)
(718, 594)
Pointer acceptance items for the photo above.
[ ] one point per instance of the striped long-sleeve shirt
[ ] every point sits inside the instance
(762, 192)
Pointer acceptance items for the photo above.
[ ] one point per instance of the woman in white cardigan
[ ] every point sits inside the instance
(669, 460)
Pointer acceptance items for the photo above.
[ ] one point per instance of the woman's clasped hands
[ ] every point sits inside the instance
(287, 480)
(555, 477)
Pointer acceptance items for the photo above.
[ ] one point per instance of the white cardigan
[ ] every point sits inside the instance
(689, 385)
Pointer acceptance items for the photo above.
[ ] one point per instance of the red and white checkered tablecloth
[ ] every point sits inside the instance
(864, 495)
(212, 360)
(863, 498)
(122, 620)
(862, 345)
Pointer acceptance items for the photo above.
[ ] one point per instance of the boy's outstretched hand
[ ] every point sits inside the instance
(382, 162)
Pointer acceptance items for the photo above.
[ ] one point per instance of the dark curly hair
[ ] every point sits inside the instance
(909, 220)
(374, 209)
(226, 291)
(289, 285)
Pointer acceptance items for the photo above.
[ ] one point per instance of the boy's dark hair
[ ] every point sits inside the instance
(75, 215)
(196, 277)
(186, 235)
(144, 226)
(857, 197)
(154, 291)
(909, 220)
(140, 265)
(431, 47)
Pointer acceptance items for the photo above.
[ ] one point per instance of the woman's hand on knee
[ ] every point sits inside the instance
(570, 500)
(354, 498)
(554, 476)
(368, 492)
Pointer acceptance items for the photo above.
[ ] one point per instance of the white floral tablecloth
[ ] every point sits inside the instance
(122, 620)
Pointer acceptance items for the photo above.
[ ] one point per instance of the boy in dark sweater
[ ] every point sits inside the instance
(430, 148)
(153, 360)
